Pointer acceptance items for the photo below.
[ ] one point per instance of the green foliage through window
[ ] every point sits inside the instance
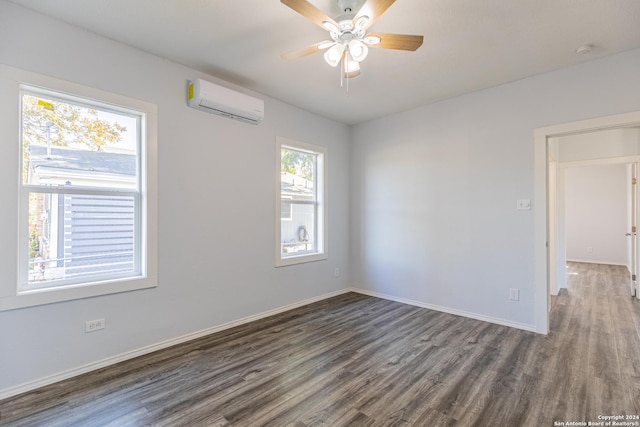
(61, 124)
(297, 163)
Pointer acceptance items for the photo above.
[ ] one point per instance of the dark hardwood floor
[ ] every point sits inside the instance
(356, 360)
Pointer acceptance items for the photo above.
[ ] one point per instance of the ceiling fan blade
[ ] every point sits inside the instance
(372, 9)
(396, 41)
(309, 11)
(307, 50)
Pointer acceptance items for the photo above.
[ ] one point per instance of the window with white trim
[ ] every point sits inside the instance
(301, 202)
(87, 196)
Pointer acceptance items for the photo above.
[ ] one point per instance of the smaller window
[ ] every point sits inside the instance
(301, 202)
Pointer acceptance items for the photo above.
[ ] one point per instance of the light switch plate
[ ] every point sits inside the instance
(523, 204)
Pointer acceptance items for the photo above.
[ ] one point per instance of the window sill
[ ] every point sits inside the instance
(300, 259)
(49, 295)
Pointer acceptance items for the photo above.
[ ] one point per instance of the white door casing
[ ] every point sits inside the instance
(633, 233)
(541, 195)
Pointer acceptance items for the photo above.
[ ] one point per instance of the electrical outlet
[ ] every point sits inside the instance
(523, 204)
(514, 294)
(93, 325)
(336, 272)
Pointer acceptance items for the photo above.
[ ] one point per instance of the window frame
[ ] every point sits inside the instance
(289, 215)
(13, 294)
(320, 203)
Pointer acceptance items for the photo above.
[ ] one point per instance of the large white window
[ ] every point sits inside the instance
(87, 194)
(301, 203)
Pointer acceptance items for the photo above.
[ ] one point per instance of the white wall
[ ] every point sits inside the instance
(216, 209)
(434, 189)
(596, 213)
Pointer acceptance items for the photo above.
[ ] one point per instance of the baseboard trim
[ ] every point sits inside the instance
(599, 262)
(497, 321)
(70, 373)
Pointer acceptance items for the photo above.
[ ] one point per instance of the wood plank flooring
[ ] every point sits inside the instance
(355, 360)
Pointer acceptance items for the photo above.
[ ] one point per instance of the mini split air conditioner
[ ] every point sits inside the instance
(216, 99)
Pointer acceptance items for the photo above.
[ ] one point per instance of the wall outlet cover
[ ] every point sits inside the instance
(93, 325)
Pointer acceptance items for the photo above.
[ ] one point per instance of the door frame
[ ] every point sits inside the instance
(633, 232)
(541, 198)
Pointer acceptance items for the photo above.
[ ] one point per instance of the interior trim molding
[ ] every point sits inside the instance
(540, 200)
(70, 373)
(592, 261)
(497, 321)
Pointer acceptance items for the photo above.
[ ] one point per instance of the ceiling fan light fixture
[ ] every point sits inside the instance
(372, 40)
(351, 68)
(334, 54)
(346, 25)
(350, 42)
(329, 26)
(358, 50)
(361, 22)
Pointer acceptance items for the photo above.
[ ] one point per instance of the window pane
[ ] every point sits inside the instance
(286, 210)
(75, 236)
(298, 235)
(67, 143)
(297, 188)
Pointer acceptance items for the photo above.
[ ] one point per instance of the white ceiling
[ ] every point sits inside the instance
(468, 45)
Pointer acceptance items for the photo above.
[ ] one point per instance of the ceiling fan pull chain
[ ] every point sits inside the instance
(347, 76)
(344, 66)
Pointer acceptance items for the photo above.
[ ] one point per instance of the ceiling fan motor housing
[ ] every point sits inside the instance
(348, 6)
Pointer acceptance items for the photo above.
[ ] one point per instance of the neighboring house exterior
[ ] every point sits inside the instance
(73, 234)
(297, 214)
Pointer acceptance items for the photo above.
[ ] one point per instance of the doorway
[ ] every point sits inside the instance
(543, 236)
(592, 211)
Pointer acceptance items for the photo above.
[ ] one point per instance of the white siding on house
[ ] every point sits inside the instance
(98, 244)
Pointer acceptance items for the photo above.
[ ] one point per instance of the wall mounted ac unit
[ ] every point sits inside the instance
(216, 99)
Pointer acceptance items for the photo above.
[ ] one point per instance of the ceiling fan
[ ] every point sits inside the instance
(350, 42)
